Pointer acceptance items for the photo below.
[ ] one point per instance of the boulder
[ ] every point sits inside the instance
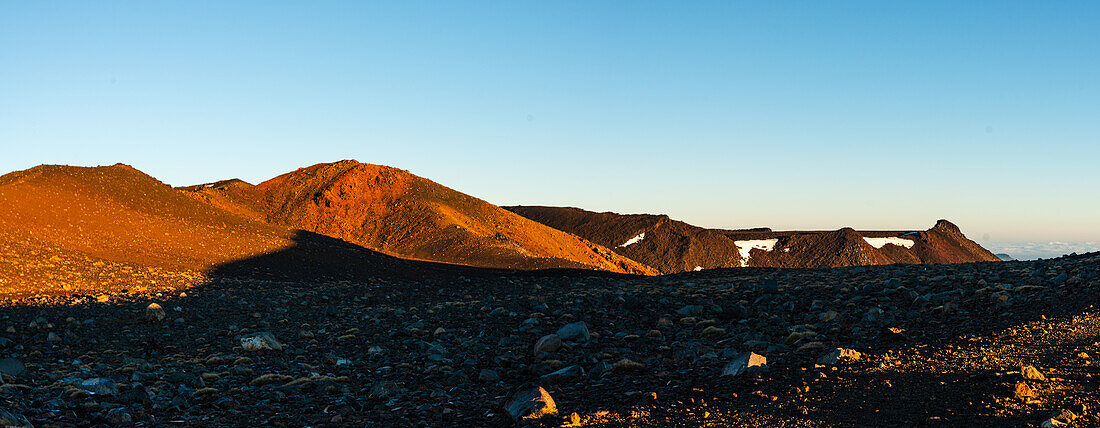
(12, 367)
(100, 386)
(564, 374)
(261, 341)
(154, 313)
(548, 343)
(574, 332)
(1031, 373)
(748, 361)
(9, 419)
(530, 402)
(838, 354)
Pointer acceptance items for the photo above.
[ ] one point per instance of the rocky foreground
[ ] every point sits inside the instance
(1006, 344)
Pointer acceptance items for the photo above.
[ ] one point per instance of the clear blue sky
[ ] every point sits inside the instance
(726, 114)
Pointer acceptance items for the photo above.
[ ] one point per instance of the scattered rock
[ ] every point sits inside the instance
(548, 343)
(839, 354)
(383, 389)
(530, 402)
(119, 416)
(745, 362)
(626, 365)
(487, 375)
(1022, 390)
(12, 367)
(261, 341)
(9, 419)
(690, 311)
(1031, 373)
(100, 386)
(154, 313)
(271, 378)
(575, 332)
(1061, 418)
(564, 374)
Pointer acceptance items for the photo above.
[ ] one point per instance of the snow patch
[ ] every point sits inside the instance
(745, 247)
(881, 242)
(633, 240)
(698, 268)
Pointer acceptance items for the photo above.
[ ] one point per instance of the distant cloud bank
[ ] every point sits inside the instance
(1044, 250)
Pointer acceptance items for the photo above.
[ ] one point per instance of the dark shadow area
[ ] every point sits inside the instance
(370, 338)
(318, 258)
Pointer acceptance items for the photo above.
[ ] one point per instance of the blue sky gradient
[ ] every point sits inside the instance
(794, 115)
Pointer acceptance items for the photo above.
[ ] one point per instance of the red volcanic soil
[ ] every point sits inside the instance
(66, 230)
(398, 213)
(674, 246)
(120, 214)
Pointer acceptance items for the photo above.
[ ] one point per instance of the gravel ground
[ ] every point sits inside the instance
(936, 345)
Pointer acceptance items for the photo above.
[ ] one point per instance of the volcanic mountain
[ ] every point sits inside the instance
(398, 213)
(674, 246)
(66, 229)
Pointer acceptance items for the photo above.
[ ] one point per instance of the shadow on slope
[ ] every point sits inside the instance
(316, 258)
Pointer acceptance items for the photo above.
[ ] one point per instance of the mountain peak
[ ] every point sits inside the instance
(946, 226)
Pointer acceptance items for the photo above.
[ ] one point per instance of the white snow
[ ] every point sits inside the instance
(634, 240)
(881, 242)
(745, 247)
(698, 268)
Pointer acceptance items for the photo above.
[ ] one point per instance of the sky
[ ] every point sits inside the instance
(792, 115)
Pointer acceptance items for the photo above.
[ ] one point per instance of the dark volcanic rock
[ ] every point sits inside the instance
(12, 367)
(673, 246)
(530, 402)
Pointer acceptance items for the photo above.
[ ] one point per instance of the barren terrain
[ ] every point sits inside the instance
(673, 246)
(938, 345)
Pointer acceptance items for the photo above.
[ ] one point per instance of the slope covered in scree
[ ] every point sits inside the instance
(66, 229)
(398, 213)
(674, 246)
(121, 214)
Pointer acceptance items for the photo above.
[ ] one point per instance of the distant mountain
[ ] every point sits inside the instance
(674, 246)
(1005, 257)
(398, 213)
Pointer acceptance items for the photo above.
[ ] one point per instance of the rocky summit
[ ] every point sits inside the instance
(981, 344)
